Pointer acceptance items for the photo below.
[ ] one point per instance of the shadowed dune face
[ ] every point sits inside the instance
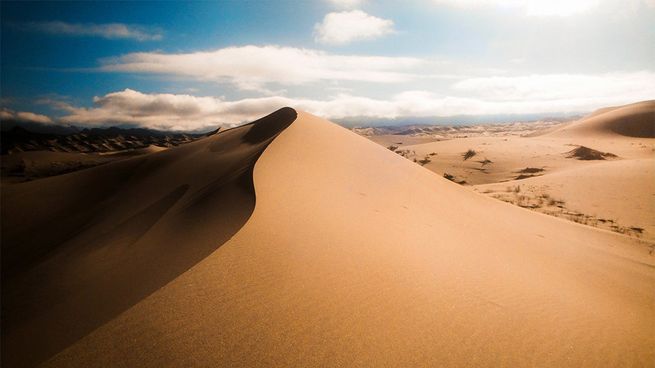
(634, 120)
(79, 249)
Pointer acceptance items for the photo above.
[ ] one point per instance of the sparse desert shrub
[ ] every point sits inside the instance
(522, 201)
(404, 153)
(530, 170)
(486, 161)
(392, 148)
(468, 154)
(556, 202)
(433, 154)
(424, 161)
(586, 153)
(452, 178)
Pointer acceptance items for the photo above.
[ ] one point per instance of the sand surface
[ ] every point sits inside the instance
(354, 256)
(615, 193)
(81, 248)
(24, 166)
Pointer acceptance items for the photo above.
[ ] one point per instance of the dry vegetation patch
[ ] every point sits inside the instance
(468, 154)
(535, 199)
(586, 153)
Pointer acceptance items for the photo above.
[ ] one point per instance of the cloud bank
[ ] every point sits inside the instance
(253, 67)
(24, 116)
(109, 31)
(349, 26)
(533, 94)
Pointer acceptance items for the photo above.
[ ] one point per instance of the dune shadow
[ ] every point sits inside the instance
(114, 234)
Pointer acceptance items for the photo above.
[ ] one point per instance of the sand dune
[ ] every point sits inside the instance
(616, 195)
(589, 170)
(634, 120)
(23, 137)
(353, 256)
(24, 166)
(31, 165)
(79, 249)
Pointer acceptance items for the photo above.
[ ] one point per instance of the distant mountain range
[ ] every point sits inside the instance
(453, 120)
(20, 136)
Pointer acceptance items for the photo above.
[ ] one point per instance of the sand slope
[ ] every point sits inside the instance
(619, 193)
(79, 249)
(24, 166)
(616, 192)
(634, 120)
(354, 256)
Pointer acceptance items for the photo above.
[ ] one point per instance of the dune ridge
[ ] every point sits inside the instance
(79, 249)
(355, 256)
(634, 120)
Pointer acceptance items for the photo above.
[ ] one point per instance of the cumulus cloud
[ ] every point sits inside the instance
(535, 94)
(348, 26)
(346, 4)
(107, 30)
(253, 67)
(24, 116)
(168, 111)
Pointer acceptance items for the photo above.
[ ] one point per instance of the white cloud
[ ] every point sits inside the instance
(546, 8)
(252, 67)
(346, 4)
(560, 87)
(107, 30)
(535, 94)
(168, 111)
(345, 27)
(24, 116)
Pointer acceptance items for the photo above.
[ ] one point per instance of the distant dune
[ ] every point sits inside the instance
(596, 171)
(352, 256)
(96, 140)
(35, 151)
(634, 120)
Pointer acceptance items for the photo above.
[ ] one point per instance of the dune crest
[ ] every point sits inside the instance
(79, 249)
(634, 120)
(355, 256)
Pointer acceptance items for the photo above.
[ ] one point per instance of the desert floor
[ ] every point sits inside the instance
(545, 170)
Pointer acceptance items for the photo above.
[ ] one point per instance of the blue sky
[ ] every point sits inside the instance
(188, 65)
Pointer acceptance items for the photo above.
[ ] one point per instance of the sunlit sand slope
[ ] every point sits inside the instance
(355, 256)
